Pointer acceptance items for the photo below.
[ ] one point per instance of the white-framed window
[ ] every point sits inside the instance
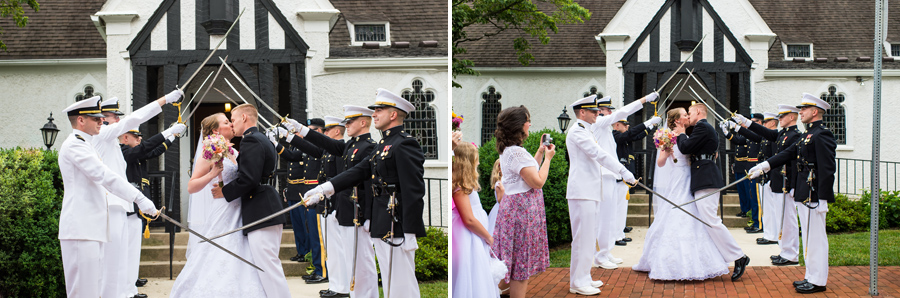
(86, 92)
(379, 32)
(836, 117)
(895, 50)
(421, 123)
(798, 50)
(490, 108)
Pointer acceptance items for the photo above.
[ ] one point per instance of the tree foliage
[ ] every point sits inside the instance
(16, 10)
(523, 16)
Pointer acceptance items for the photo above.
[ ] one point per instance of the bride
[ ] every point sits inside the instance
(678, 246)
(209, 271)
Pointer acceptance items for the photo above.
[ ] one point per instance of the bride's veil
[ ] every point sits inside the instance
(199, 203)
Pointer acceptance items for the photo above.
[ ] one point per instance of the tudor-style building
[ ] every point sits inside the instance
(756, 54)
(303, 59)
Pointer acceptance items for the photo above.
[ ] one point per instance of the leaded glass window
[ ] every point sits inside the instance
(422, 123)
(490, 107)
(895, 50)
(592, 92)
(834, 117)
(87, 92)
(370, 33)
(799, 51)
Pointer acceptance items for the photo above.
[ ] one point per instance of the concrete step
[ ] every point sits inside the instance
(730, 221)
(161, 268)
(161, 252)
(158, 236)
(643, 198)
(644, 209)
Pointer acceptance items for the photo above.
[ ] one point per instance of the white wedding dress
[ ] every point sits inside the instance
(209, 271)
(677, 246)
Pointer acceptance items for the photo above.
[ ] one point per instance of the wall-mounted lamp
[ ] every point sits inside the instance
(227, 107)
(860, 80)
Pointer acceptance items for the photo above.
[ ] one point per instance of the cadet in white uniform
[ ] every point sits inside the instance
(84, 222)
(586, 159)
(609, 183)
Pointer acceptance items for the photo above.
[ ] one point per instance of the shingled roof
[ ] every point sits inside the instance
(60, 30)
(837, 28)
(410, 21)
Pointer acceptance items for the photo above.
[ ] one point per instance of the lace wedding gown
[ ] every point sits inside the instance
(209, 271)
(677, 246)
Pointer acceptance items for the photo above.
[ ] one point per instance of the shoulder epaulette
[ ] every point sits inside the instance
(77, 136)
(582, 125)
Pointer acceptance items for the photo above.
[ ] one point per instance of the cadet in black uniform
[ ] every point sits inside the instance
(303, 173)
(746, 156)
(396, 168)
(625, 137)
(814, 153)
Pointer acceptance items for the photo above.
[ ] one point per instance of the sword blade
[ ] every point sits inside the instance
(260, 117)
(283, 211)
(202, 96)
(707, 91)
(697, 96)
(258, 99)
(682, 63)
(670, 202)
(214, 50)
(236, 104)
(175, 222)
(718, 190)
(673, 97)
(192, 98)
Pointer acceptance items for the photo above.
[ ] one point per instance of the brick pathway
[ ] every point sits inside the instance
(757, 282)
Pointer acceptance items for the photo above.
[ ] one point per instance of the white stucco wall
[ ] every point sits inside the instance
(544, 93)
(34, 91)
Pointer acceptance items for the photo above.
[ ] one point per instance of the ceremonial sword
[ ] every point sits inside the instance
(258, 99)
(697, 96)
(244, 100)
(235, 103)
(283, 211)
(638, 183)
(166, 217)
(676, 94)
(707, 91)
(202, 96)
(718, 190)
(355, 200)
(682, 63)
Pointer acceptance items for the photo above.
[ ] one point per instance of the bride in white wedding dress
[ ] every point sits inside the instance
(677, 246)
(209, 271)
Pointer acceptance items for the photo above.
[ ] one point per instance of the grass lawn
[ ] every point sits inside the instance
(437, 289)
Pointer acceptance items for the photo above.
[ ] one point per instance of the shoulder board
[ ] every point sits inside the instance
(581, 125)
(77, 136)
(370, 140)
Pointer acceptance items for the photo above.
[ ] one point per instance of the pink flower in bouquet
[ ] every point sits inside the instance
(215, 147)
(664, 139)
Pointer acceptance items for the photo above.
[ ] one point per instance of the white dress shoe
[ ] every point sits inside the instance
(605, 265)
(587, 291)
(615, 260)
(597, 283)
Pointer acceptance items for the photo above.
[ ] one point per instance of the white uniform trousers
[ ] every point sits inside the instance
(582, 214)
(772, 215)
(815, 242)
(338, 255)
(81, 265)
(115, 255)
(264, 246)
(606, 219)
(401, 277)
(707, 211)
(366, 276)
(135, 234)
(622, 212)
(790, 231)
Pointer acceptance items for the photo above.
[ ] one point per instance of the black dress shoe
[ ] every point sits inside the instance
(331, 293)
(742, 214)
(621, 243)
(800, 282)
(324, 291)
(628, 229)
(626, 239)
(142, 295)
(308, 277)
(783, 262)
(747, 228)
(773, 257)
(766, 242)
(316, 279)
(140, 282)
(297, 258)
(808, 288)
(754, 231)
(739, 267)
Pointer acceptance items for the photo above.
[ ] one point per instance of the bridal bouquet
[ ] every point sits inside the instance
(215, 149)
(664, 139)
(457, 121)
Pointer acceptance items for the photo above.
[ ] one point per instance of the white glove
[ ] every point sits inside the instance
(628, 177)
(146, 205)
(724, 127)
(759, 169)
(302, 129)
(316, 194)
(176, 129)
(410, 243)
(281, 132)
(652, 97)
(366, 226)
(740, 119)
(271, 135)
(652, 122)
(171, 138)
(174, 96)
(734, 126)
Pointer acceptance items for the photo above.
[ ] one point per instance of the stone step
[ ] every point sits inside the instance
(644, 209)
(161, 268)
(158, 236)
(161, 252)
(643, 198)
(730, 221)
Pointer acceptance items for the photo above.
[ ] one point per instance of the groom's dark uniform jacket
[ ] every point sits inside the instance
(351, 153)
(780, 140)
(256, 165)
(396, 166)
(814, 153)
(702, 146)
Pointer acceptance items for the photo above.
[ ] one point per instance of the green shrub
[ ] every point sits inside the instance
(845, 215)
(30, 202)
(888, 208)
(431, 257)
(556, 207)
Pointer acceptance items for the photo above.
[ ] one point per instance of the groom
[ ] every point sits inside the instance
(256, 164)
(706, 178)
